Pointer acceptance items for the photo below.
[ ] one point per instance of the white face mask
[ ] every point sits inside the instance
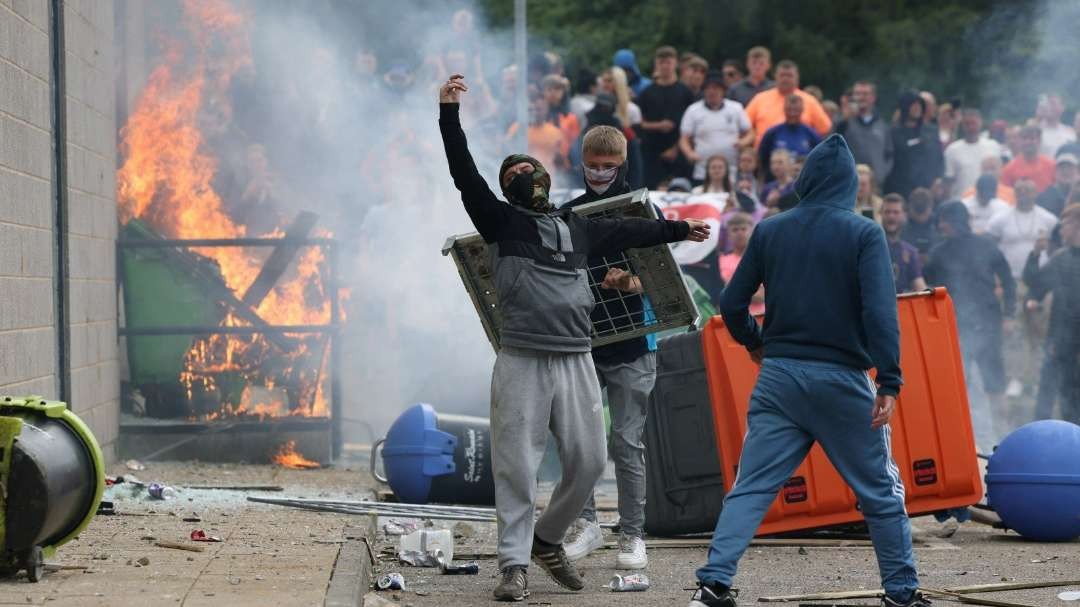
(605, 177)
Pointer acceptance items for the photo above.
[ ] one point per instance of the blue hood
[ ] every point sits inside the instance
(625, 59)
(828, 176)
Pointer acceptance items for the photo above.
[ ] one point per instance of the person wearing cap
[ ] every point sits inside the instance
(714, 125)
(1066, 170)
(544, 379)
(970, 267)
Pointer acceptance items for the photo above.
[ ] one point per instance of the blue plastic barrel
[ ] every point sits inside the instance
(432, 457)
(1033, 481)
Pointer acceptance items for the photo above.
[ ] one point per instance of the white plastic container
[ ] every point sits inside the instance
(419, 547)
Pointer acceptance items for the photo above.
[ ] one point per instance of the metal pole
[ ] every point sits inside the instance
(268, 330)
(522, 62)
(336, 438)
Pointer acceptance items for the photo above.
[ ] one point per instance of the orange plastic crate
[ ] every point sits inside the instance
(933, 442)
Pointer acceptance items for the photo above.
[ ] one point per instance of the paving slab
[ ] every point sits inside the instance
(269, 555)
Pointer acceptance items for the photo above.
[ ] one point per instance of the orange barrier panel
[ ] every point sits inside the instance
(933, 442)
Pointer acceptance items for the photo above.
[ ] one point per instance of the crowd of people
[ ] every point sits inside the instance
(981, 207)
(993, 215)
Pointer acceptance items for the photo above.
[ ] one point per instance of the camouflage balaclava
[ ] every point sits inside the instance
(527, 190)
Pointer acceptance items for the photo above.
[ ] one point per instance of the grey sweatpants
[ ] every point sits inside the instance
(533, 392)
(628, 387)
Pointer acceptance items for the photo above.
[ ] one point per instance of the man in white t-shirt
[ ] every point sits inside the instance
(984, 205)
(1054, 133)
(713, 126)
(963, 157)
(1017, 229)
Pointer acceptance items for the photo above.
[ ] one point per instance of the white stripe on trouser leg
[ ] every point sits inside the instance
(890, 466)
(890, 463)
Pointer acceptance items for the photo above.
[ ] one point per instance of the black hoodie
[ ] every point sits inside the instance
(970, 267)
(917, 156)
(609, 304)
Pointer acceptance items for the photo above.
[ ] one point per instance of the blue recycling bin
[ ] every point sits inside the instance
(433, 457)
(1033, 481)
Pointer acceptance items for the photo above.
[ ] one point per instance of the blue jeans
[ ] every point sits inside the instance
(795, 403)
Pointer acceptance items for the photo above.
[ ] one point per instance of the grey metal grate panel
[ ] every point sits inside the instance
(670, 304)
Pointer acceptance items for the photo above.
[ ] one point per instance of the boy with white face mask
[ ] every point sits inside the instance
(627, 369)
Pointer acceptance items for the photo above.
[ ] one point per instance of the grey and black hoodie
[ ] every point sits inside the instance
(539, 259)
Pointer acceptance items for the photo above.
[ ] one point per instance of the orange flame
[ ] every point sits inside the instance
(289, 457)
(166, 181)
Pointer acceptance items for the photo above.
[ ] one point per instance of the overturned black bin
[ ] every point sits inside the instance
(684, 485)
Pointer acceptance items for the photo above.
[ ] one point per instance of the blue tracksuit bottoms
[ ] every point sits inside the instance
(795, 403)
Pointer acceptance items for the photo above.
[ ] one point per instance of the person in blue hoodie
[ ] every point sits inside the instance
(831, 316)
(625, 59)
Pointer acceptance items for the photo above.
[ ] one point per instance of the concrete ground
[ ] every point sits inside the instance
(975, 554)
(281, 556)
(269, 555)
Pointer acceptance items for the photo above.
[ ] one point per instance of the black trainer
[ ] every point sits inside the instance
(514, 586)
(713, 596)
(916, 600)
(552, 559)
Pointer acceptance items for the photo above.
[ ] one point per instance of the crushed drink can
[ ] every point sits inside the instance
(637, 582)
(462, 569)
(161, 492)
(391, 581)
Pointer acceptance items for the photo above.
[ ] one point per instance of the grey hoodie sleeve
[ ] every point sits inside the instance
(879, 316)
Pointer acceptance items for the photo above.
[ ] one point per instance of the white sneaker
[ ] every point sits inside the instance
(584, 538)
(631, 553)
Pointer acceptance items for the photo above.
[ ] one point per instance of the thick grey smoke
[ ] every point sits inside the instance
(337, 115)
(377, 166)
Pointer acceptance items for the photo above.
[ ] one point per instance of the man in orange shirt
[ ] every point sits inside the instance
(545, 139)
(766, 109)
(1030, 164)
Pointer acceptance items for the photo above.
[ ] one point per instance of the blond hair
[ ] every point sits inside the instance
(604, 140)
(622, 95)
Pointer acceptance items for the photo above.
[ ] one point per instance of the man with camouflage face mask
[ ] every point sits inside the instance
(527, 188)
(544, 377)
